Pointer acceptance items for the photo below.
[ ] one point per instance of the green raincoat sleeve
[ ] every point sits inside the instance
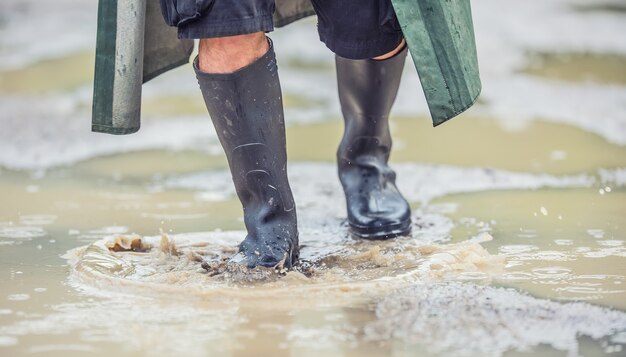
(135, 45)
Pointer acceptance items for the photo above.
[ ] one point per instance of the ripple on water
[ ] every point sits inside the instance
(61, 348)
(517, 248)
(551, 272)
(596, 233)
(527, 233)
(552, 255)
(585, 292)
(96, 234)
(593, 286)
(21, 232)
(474, 276)
(567, 284)
(18, 297)
(618, 251)
(37, 219)
(610, 243)
(565, 242)
(538, 255)
(340, 269)
(517, 276)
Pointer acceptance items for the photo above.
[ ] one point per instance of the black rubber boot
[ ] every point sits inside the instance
(247, 111)
(367, 90)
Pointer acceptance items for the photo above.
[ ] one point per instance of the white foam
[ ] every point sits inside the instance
(67, 25)
(471, 320)
(21, 232)
(417, 182)
(615, 177)
(18, 297)
(6, 341)
(59, 134)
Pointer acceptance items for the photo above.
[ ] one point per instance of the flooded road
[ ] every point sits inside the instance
(518, 242)
(556, 235)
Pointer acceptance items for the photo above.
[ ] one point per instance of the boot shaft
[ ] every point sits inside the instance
(367, 90)
(247, 112)
(369, 87)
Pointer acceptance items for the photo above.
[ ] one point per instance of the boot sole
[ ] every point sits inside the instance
(381, 233)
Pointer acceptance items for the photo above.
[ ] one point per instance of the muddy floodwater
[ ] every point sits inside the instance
(519, 205)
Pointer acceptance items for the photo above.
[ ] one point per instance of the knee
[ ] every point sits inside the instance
(228, 54)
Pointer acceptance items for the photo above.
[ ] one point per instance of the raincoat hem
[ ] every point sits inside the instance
(460, 111)
(162, 70)
(97, 128)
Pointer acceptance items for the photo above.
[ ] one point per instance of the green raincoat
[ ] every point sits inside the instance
(135, 45)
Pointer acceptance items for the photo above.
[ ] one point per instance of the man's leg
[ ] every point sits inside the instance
(367, 90)
(229, 54)
(236, 71)
(239, 82)
(370, 56)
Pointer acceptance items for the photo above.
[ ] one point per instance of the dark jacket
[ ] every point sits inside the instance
(135, 45)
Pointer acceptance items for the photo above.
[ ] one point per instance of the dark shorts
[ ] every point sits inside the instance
(355, 29)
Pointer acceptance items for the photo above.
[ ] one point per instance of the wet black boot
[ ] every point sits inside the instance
(247, 111)
(367, 90)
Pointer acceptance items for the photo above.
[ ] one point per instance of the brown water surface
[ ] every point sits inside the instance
(538, 207)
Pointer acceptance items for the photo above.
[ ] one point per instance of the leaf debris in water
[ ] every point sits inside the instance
(128, 243)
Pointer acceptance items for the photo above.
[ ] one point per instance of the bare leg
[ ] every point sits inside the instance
(228, 54)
